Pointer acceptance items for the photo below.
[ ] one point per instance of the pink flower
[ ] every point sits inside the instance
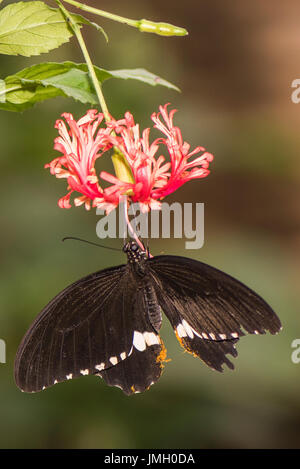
(80, 146)
(182, 170)
(154, 177)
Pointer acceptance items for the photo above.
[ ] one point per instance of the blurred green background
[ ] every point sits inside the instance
(235, 71)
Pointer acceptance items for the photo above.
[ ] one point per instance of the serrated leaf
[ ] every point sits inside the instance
(31, 28)
(143, 75)
(83, 20)
(139, 74)
(48, 80)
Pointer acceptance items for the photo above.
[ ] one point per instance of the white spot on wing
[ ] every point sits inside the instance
(70, 376)
(223, 336)
(84, 372)
(123, 355)
(181, 330)
(234, 335)
(151, 338)
(212, 336)
(188, 329)
(139, 341)
(100, 367)
(113, 360)
(197, 333)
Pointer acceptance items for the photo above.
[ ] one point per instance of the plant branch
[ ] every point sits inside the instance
(163, 29)
(77, 32)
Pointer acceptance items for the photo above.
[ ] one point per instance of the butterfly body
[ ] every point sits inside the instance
(137, 263)
(108, 323)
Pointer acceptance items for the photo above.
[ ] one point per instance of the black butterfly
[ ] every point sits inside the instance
(107, 324)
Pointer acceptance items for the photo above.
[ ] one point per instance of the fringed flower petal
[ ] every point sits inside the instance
(154, 177)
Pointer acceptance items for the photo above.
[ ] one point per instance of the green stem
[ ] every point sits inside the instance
(87, 58)
(105, 14)
(120, 164)
(163, 29)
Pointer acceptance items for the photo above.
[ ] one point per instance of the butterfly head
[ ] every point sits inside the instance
(134, 252)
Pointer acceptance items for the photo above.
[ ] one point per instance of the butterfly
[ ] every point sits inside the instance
(107, 324)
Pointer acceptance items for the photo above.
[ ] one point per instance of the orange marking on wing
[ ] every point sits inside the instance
(185, 346)
(179, 339)
(162, 357)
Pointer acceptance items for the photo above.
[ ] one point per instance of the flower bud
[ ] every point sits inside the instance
(122, 168)
(163, 29)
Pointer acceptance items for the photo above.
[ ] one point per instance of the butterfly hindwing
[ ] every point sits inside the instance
(145, 364)
(138, 372)
(213, 353)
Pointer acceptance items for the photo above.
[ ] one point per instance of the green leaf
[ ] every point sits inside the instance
(31, 28)
(81, 19)
(48, 80)
(143, 75)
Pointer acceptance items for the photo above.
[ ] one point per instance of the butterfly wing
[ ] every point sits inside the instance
(77, 332)
(208, 309)
(95, 324)
(213, 353)
(146, 362)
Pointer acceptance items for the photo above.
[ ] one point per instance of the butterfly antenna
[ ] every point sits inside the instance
(91, 242)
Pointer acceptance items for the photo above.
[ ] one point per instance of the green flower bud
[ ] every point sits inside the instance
(163, 29)
(122, 168)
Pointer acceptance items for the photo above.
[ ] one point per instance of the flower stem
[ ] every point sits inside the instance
(87, 58)
(105, 14)
(119, 162)
(163, 29)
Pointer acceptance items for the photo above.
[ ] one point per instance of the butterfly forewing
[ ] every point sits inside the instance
(93, 325)
(210, 304)
(78, 332)
(208, 309)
